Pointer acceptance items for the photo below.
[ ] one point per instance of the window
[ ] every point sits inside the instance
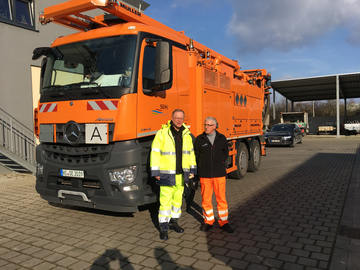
(5, 9)
(149, 67)
(18, 12)
(149, 71)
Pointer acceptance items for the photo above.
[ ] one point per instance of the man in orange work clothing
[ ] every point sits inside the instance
(211, 150)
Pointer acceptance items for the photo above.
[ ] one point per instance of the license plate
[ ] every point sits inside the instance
(275, 140)
(72, 173)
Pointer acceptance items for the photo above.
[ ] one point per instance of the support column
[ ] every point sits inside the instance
(337, 107)
(274, 110)
(345, 116)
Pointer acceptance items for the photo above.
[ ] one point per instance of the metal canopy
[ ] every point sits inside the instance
(319, 88)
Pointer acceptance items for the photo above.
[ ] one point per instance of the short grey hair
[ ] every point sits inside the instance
(178, 110)
(212, 119)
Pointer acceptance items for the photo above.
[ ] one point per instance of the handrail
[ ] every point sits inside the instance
(17, 138)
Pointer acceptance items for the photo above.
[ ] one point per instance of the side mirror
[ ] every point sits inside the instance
(163, 63)
(38, 52)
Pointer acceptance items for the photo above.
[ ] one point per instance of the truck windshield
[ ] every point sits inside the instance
(104, 62)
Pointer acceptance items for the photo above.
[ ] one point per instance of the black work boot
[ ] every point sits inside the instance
(175, 226)
(164, 227)
(164, 235)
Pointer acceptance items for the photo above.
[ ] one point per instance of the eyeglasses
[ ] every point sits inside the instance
(206, 125)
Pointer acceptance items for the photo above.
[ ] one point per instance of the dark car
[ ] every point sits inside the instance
(284, 134)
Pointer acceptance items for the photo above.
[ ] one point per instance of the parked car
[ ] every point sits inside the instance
(284, 134)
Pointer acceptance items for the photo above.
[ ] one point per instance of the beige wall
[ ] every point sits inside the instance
(17, 70)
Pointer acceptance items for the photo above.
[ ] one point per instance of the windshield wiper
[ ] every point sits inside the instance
(59, 93)
(54, 87)
(94, 91)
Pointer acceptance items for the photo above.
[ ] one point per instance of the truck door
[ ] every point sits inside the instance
(155, 103)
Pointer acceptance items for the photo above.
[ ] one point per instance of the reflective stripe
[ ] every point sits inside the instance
(110, 104)
(155, 150)
(165, 212)
(186, 152)
(186, 170)
(167, 172)
(176, 215)
(175, 209)
(224, 218)
(155, 168)
(208, 218)
(168, 153)
(164, 219)
(193, 167)
(223, 212)
(208, 212)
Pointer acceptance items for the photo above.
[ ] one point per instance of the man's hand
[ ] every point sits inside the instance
(191, 175)
(157, 178)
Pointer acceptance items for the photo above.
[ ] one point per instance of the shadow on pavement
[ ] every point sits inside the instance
(164, 260)
(111, 259)
(290, 224)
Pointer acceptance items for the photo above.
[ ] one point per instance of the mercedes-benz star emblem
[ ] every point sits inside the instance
(72, 132)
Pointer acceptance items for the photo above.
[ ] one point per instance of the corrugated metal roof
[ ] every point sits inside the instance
(319, 88)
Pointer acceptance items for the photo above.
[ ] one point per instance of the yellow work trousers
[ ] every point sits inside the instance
(171, 200)
(208, 187)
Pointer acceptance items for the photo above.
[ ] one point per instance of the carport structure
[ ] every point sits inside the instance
(338, 86)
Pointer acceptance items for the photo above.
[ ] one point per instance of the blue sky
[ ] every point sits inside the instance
(289, 38)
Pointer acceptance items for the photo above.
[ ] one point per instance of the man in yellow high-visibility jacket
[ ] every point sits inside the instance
(172, 162)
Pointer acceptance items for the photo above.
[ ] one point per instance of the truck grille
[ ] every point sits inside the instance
(77, 155)
(61, 130)
(84, 183)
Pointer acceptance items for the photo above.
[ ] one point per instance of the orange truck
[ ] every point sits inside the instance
(107, 89)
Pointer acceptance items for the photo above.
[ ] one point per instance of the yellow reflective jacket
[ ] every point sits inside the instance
(163, 156)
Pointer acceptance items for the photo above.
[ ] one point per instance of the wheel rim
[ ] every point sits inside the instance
(243, 160)
(256, 155)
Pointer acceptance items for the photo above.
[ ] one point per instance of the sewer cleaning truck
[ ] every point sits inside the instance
(107, 89)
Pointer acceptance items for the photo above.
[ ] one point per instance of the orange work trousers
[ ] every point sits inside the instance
(208, 187)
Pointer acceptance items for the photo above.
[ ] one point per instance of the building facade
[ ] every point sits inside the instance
(20, 34)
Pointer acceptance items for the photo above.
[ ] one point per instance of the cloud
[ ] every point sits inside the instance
(283, 25)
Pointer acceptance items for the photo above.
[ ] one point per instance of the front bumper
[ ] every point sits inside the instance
(278, 141)
(95, 190)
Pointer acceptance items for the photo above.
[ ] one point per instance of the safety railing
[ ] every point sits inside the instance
(17, 138)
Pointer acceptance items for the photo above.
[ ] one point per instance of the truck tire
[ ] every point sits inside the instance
(242, 159)
(254, 162)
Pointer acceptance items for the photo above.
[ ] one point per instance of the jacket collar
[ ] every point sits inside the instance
(204, 135)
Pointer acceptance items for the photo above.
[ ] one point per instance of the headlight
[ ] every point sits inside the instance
(39, 169)
(123, 175)
(287, 137)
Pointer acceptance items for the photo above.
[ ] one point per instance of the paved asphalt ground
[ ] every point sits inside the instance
(301, 210)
